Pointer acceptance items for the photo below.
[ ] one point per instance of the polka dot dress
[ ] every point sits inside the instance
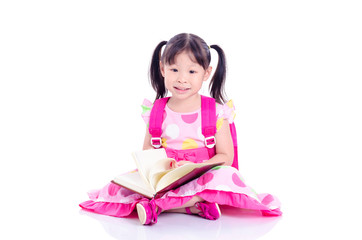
(223, 184)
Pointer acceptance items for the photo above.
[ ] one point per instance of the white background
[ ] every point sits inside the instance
(73, 75)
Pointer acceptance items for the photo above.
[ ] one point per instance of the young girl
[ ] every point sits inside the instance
(181, 70)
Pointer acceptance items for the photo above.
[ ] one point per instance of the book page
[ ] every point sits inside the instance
(133, 181)
(146, 159)
(181, 175)
(159, 169)
(155, 178)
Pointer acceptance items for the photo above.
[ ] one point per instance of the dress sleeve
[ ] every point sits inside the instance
(225, 112)
(146, 110)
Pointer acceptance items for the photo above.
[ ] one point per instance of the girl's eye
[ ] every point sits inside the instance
(174, 70)
(192, 71)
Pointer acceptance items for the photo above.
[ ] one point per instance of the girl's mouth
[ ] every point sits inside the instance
(182, 89)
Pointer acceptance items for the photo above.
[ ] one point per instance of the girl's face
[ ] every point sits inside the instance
(185, 76)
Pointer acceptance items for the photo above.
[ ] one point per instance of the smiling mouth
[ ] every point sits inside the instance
(182, 88)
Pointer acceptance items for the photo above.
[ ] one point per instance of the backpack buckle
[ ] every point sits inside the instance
(210, 142)
(156, 142)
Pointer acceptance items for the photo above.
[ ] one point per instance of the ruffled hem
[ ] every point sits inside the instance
(108, 208)
(226, 111)
(270, 208)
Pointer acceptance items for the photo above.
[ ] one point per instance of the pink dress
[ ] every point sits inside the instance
(223, 185)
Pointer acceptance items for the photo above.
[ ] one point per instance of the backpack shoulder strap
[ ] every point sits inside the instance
(235, 143)
(208, 120)
(156, 119)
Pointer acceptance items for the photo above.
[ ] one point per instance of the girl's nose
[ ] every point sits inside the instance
(182, 78)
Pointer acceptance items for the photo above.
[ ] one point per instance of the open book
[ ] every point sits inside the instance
(155, 176)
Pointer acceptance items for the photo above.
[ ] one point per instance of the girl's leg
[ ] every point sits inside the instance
(190, 204)
(197, 206)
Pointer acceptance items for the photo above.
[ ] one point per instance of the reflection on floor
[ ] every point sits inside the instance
(233, 224)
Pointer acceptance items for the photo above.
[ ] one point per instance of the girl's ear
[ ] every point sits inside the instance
(162, 69)
(207, 73)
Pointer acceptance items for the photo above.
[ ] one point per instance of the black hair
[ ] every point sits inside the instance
(201, 52)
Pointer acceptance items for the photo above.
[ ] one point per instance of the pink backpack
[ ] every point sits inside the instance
(208, 122)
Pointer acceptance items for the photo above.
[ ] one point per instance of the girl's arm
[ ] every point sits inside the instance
(224, 145)
(147, 140)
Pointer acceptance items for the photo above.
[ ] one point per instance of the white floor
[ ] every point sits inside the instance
(42, 205)
(73, 75)
(180, 226)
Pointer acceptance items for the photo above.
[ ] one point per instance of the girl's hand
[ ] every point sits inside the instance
(175, 164)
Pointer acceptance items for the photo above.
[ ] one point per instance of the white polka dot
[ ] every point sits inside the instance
(172, 131)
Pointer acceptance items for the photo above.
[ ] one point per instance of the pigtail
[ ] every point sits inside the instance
(217, 83)
(156, 78)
